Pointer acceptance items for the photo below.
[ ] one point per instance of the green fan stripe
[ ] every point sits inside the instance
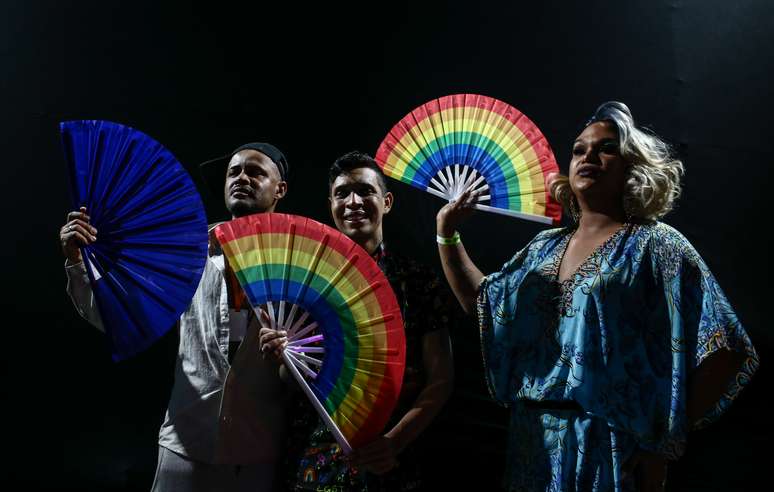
(337, 303)
(492, 148)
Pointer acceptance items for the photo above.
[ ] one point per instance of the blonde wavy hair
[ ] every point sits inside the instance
(653, 177)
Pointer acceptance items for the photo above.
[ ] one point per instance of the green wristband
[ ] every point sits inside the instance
(448, 241)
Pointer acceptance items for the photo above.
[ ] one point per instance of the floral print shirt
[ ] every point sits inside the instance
(315, 460)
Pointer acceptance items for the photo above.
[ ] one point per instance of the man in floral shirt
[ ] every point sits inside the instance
(359, 199)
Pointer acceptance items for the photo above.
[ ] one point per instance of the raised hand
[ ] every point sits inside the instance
(453, 213)
(76, 233)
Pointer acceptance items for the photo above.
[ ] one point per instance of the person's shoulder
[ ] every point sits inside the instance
(662, 230)
(538, 247)
(670, 249)
(213, 246)
(544, 237)
(551, 233)
(663, 235)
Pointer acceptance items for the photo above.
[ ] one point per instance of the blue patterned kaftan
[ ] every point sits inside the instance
(618, 340)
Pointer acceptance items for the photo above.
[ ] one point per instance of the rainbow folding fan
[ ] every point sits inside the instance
(468, 141)
(346, 348)
(151, 230)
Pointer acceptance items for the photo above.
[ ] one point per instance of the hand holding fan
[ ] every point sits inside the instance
(346, 342)
(468, 141)
(149, 256)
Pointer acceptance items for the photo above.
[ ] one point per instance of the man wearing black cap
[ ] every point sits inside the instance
(224, 427)
(255, 176)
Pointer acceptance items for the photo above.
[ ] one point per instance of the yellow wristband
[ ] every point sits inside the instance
(455, 239)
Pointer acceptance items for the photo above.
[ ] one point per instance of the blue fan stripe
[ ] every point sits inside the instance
(322, 311)
(479, 158)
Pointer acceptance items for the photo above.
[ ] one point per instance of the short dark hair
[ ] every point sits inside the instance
(355, 160)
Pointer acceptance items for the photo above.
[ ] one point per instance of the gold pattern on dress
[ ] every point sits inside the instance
(590, 268)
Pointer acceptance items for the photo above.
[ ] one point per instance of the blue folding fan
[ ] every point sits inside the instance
(152, 230)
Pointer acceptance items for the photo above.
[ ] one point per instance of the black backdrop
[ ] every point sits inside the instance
(322, 80)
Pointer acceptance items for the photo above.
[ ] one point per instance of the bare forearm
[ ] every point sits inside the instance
(425, 409)
(439, 367)
(461, 273)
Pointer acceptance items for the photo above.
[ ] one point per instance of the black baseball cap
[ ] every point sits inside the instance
(214, 170)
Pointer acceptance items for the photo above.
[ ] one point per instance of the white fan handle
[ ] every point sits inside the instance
(317, 405)
(511, 213)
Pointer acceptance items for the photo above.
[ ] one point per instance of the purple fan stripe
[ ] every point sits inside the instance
(304, 341)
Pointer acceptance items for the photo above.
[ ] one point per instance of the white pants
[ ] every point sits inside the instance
(176, 473)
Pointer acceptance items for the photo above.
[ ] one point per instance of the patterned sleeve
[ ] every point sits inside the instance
(702, 320)
(494, 317)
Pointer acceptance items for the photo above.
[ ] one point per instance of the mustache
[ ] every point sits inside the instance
(241, 188)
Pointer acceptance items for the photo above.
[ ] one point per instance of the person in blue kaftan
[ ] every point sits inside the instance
(619, 338)
(598, 336)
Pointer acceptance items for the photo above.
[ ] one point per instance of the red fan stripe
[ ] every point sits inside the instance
(378, 418)
(279, 224)
(344, 247)
(458, 102)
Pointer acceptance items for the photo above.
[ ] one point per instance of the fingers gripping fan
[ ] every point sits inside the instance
(468, 141)
(346, 342)
(151, 226)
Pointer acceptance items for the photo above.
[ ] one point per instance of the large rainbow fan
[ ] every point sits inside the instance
(152, 230)
(346, 346)
(468, 141)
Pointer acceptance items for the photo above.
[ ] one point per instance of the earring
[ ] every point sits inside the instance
(628, 208)
(575, 212)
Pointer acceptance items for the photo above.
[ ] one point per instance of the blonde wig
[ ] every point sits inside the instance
(653, 177)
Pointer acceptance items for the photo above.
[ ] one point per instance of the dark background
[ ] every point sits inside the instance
(319, 81)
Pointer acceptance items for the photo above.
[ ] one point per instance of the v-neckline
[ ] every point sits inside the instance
(583, 265)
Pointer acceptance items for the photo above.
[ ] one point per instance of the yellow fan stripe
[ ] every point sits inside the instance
(272, 248)
(489, 124)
